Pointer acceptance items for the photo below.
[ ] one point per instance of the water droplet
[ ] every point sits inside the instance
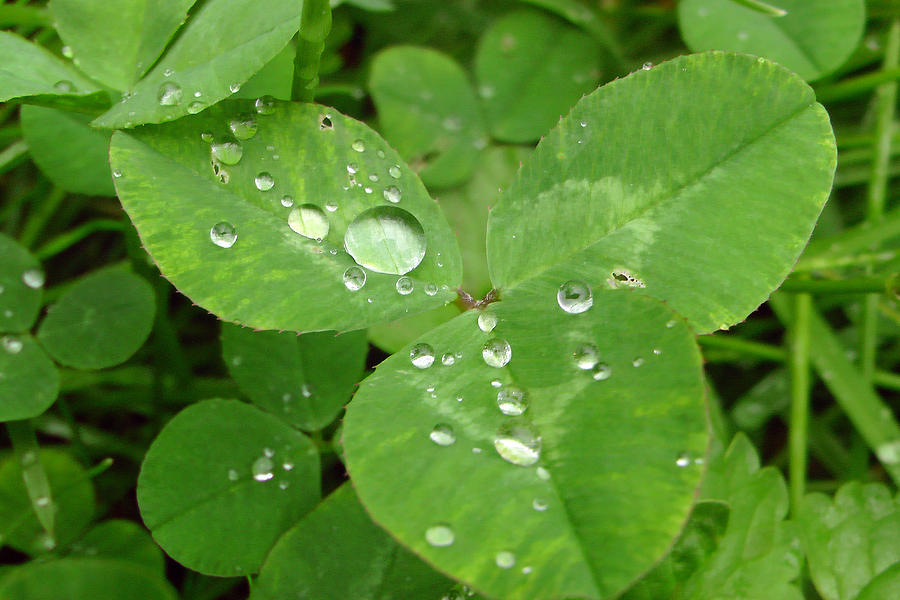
(262, 469)
(169, 94)
(117, 173)
(309, 221)
(359, 146)
(647, 66)
(505, 560)
(512, 401)
(439, 535)
(392, 194)
(386, 239)
(306, 390)
(671, 323)
(64, 85)
(405, 286)
(526, 570)
(33, 278)
(422, 356)
(889, 453)
(234, 88)
(264, 181)
(223, 234)
(583, 123)
(67, 51)
(287, 201)
(496, 383)
(283, 484)
(195, 107)
(683, 460)
(287, 466)
(331, 206)
(486, 91)
(228, 152)
(657, 351)
(268, 452)
(539, 504)
(575, 297)
(232, 475)
(496, 353)
(601, 371)
(487, 321)
(244, 127)
(448, 360)
(265, 105)
(586, 356)
(518, 442)
(394, 171)
(430, 289)
(12, 345)
(637, 362)
(543, 474)
(168, 72)
(352, 168)
(354, 278)
(442, 435)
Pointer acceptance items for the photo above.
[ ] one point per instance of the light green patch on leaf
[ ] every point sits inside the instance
(393, 336)
(555, 486)
(531, 68)
(32, 74)
(359, 560)
(221, 46)
(304, 380)
(222, 481)
(29, 381)
(427, 109)
(70, 153)
(686, 156)
(265, 274)
(73, 494)
(121, 540)
(84, 579)
(101, 321)
(812, 39)
(851, 540)
(21, 283)
(116, 42)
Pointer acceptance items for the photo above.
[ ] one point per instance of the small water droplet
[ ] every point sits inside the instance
(448, 360)
(244, 127)
(262, 469)
(234, 88)
(496, 383)
(575, 297)
(512, 401)
(394, 171)
(392, 194)
(637, 362)
(647, 66)
(33, 278)
(12, 345)
(67, 51)
(405, 286)
(386, 239)
(264, 181)
(169, 94)
(223, 234)
(268, 452)
(586, 356)
(228, 152)
(518, 442)
(287, 201)
(505, 560)
(287, 466)
(496, 353)
(116, 173)
(283, 484)
(543, 474)
(430, 289)
(195, 107)
(168, 72)
(583, 123)
(354, 278)
(671, 323)
(526, 570)
(439, 535)
(232, 475)
(64, 85)
(487, 321)
(306, 390)
(657, 351)
(352, 168)
(309, 221)
(331, 206)
(539, 504)
(601, 372)
(442, 435)
(265, 105)
(359, 146)
(486, 91)
(683, 460)
(421, 355)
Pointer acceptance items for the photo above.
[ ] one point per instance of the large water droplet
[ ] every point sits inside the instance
(422, 356)
(354, 278)
(518, 442)
(386, 239)
(392, 194)
(262, 469)
(265, 105)
(496, 353)
(439, 535)
(487, 321)
(169, 94)
(12, 345)
(223, 234)
(586, 356)
(309, 221)
(505, 560)
(244, 127)
(512, 401)
(33, 278)
(442, 435)
(575, 297)
(405, 286)
(227, 152)
(264, 181)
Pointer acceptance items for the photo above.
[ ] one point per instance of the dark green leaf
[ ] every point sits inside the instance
(304, 380)
(29, 381)
(21, 281)
(222, 481)
(272, 277)
(393, 336)
(84, 579)
(100, 321)
(274, 79)
(121, 540)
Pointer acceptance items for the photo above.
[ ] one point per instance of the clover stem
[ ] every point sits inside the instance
(25, 445)
(315, 24)
(800, 387)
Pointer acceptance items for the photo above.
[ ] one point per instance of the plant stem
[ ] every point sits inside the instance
(25, 445)
(12, 155)
(799, 420)
(315, 24)
(30, 16)
(44, 209)
(71, 237)
(862, 285)
(855, 86)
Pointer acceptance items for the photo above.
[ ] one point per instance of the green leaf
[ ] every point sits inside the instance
(222, 45)
(21, 282)
(121, 540)
(29, 381)
(73, 494)
(531, 68)
(650, 172)
(851, 539)
(274, 79)
(272, 277)
(568, 514)
(885, 585)
(812, 39)
(304, 380)
(380, 569)
(100, 321)
(371, 5)
(393, 336)
(70, 153)
(33, 74)
(222, 481)
(84, 579)
(427, 109)
(116, 42)
(754, 557)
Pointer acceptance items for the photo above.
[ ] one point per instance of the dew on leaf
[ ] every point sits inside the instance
(518, 442)
(601, 372)
(195, 107)
(392, 194)
(309, 221)
(637, 362)
(405, 286)
(228, 152)
(67, 51)
(496, 353)
(586, 356)
(439, 535)
(287, 201)
(496, 383)
(487, 321)
(430, 289)
(442, 435)
(421, 355)
(448, 360)
(505, 560)
(243, 127)
(262, 469)
(264, 181)
(234, 88)
(394, 171)
(33, 278)
(232, 475)
(169, 94)
(543, 474)
(359, 146)
(265, 105)
(539, 504)
(647, 66)
(575, 297)
(512, 401)
(657, 351)
(12, 345)
(354, 278)
(64, 85)
(386, 239)
(223, 234)
(287, 466)
(284, 484)
(683, 460)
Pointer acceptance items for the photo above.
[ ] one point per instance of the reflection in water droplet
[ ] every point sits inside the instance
(244, 127)
(359, 146)
(586, 356)
(12, 345)
(575, 297)
(602, 371)
(264, 181)
(512, 401)
(394, 171)
(448, 360)
(539, 504)
(234, 88)
(683, 460)
(33, 278)
(195, 107)
(487, 321)
(439, 535)
(442, 435)
(422, 356)
(262, 469)
(505, 560)
(265, 105)
(518, 442)
(637, 362)
(354, 278)
(287, 201)
(496, 353)
(405, 286)
(223, 234)
(496, 383)
(657, 351)
(392, 194)
(169, 94)
(331, 206)
(386, 239)
(227, 152)
(309, 221)
(430, 289)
